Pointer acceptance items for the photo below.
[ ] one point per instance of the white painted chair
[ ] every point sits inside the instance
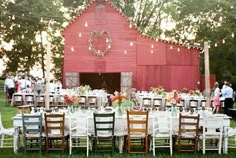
(230, 134)
(212, 131)
(162, 131)
(9, 133)
(78, 130)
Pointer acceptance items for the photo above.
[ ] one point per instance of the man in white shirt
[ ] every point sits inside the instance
(227, 93)
(10, 86)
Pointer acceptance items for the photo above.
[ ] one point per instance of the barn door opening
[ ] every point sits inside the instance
(126, 83)
(108, 81)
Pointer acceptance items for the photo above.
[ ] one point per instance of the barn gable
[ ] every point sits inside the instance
(102, 40)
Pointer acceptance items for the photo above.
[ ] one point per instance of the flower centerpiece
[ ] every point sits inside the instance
(83, 90)
(158, 90)
(173, 98)
(119, 100)
(184, 90)
(195, 92)
(70, 101)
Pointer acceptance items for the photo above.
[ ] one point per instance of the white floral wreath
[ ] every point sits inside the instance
(99, 34)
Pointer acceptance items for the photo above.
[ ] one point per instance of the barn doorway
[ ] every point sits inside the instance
(108, 81)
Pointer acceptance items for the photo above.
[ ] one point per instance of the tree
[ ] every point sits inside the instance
(22, 21)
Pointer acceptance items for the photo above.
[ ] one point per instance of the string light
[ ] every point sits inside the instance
(31, 42)
(41, 20)
(107, 40)
(131, 44)
(220, 19)
(216, 45)
(89, 48)
(72, 49)
(209, 46)
(125, 52)
(109, 46)
(151, 51)
(86, 24)
(152, 46)
(223, 41)
(171, 47)
(156, 39)
(13, 17)
(178, 49)
(22, 36)
(130, 25)
(80, 34)
(232, 35)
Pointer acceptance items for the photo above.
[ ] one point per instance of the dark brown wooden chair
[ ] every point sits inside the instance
(137, 122)
(92, 101)
(147, 103)
(82, 102)
(157, 103)
(188, 135)
(55, 132)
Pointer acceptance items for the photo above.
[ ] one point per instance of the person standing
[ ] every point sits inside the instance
(216, 98)
(227, 93)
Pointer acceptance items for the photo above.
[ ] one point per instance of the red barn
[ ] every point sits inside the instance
(105, 50)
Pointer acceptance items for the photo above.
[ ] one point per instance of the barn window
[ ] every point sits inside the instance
(100, 13)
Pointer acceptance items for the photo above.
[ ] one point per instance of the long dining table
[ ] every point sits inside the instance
(120, 124)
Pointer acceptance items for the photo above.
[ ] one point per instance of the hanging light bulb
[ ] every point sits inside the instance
(171, 47)
(125, 52)
(89, 48)
(131, 44)
(216, 45)
(152, 46)
(178, 49)
(156, 39)
(80, 34)
(109, 46)
(223, 41)
(151, 51)
(41, 20)
(232, 35)
(209, 46)
(188, 47)
(31, 42)
(11, 28)
(18, 25)
(86, 24)
(130, 25)
(107, 40)
(72, 49)
(13, 17)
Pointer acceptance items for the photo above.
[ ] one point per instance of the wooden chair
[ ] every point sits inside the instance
(137, 122)
(29, 99)
(157, 103)
(55, 130)
(32, 132)
(9, 132)
(104, 125)
(212, 134)
(78, 131)
(92, 101)
(193, 103)
(162, 131)
(18, 99)
(82, 102)
(147, 103)
(188, 135)
(40, 100)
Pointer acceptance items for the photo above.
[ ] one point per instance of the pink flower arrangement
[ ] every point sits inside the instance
(70, 99)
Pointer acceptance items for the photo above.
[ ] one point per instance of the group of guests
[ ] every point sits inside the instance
(26, 84)
(227, 93)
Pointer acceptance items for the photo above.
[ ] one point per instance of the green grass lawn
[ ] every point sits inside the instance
(8, 112)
